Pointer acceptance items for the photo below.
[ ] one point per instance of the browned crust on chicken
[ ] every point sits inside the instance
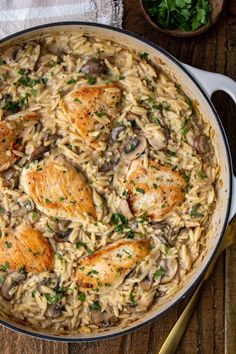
(9, 132)
(82, 107)
(110, 264)
(58, 189)
(26, 247)
(156, 190)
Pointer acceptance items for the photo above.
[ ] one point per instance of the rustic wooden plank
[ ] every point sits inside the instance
(230, 301)
(14, 343)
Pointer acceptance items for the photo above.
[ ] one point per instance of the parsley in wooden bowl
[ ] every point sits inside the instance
(182, 18)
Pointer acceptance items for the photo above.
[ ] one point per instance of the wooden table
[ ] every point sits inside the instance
(213, 326)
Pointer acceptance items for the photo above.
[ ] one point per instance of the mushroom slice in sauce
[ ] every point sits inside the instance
(115, 132)
(53, 311)
(111, 264)
(135, 148)
(10, 284)
(170, 267)
(94, 66)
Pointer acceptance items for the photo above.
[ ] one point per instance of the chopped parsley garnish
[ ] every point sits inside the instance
(8, 244)
(143, 217)
(121, 77)
(132, 298)
(5, 266)
(163, 105)
(159, 272)
(34, 92)
(34, 215)
(95, 306)
(61, 198)
(21, 71)
(71, 81)
(15, 106)
(143, 56)
(100, 114)
(2, 62)
(155, 186)
(80, 244)
(140, 190)
(77, 100)
(81, 297)
(22, 270)
(195, 214)
(120, 221)
(91, 80)
(184, 127)
(33, 293)
(58, 256)
(202, 175)
(53, 299)
(50, 229)
(130, 234)
(47, 200)
(2, 279)
(93, 271)
(125, 194)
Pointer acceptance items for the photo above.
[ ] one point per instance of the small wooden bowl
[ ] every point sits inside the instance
(217, 7)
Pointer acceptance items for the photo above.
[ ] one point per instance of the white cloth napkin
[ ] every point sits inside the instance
(16, 15)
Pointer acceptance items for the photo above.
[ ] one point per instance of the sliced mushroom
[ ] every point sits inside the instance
(115, 132)
(157, 141)
(53, 48)
(38, 127)
(145, 284)
(53, 311)
(11, 178)
(135, 148)
(170, 266)
(62, 236)
(202, 144)
(104, 319)
(156, 136)
(10, 284)
(164, 233)
(145, 301)
(38, 152)
(94, 66)
(19, 212)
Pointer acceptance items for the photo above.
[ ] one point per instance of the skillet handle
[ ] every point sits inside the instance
(211, 82)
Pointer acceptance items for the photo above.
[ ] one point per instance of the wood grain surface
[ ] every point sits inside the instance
(213, 327)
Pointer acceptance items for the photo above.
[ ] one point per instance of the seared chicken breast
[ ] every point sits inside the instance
(26, 247)
(156, 190)
(10, 131)
(109, 265)
(58, 189)
(91, 110)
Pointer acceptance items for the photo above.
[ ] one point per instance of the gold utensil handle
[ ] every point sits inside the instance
(172, 341)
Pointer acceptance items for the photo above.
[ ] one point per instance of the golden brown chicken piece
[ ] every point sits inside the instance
(109, 265)
(91, 109)
(10, 131)
(58, 189)
(26, 247)
(155, 191)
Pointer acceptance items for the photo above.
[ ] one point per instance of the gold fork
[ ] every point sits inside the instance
(172, 341)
